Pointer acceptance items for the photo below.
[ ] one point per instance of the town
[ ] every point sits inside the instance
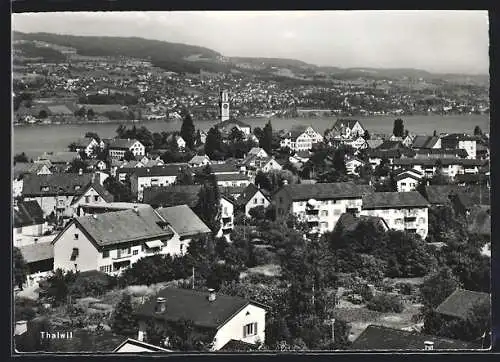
(226, 182)
(245, 239)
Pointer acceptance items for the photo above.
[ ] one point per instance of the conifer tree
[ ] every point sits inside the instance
(123, 320)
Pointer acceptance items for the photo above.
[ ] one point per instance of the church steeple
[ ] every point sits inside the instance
(224, 105)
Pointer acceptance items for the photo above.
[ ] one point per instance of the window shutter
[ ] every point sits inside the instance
(255, 328)
(244, 331)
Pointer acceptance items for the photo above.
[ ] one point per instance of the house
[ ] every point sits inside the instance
(87, 145)
(258, 152)
(95, 164)
(232, 192)
(321, 204)
(426, 142)
(185, 225)
(29, 223)
(376, 337)
(254, 164)
(358, 143)
(460, 303)
(449, 166)
(348, 222)
(460, 140)
(375, 156)
(24, 168)
(92, 194)
(219, 317)
(39, 259)
(408, 140)
(100, 208)
(118, 146)
(227, 217)
(228, 125)
(234, 180)
(60, 159)
(199, 161)
(252, 197)
(408, 180)
(346, 128)
(113, 241)
(225, 168)
(55, 193)
(134, 346)
(352, 165)
(301, 138)
(177, 140)
(404, 211)
(441, 153)
(144, 177)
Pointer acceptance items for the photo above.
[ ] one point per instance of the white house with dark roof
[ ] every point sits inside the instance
(252, 197)
(113, 241)
(92, 194)
(227, 217)
(408, 180)
(86, 144)
(118, 146)
(352, 165)
(347, 128)
(232, 180)
(39, 259)
(131, 345)
(258, 152)
(221, 318)
(143, 177)
(301, 138)
(29, 223)
(404, 211)
(199, 161)
(321, 204)
(55, 193)
(461, 141)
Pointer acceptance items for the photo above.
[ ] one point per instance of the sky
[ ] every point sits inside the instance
(436, 41)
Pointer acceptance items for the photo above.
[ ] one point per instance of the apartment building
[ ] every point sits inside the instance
(144, 177)
(461, 141)
(405, 211)
(118, 146)
(301, 138)
(320, 205)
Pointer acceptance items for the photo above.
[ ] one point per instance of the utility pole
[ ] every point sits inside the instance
(193, 278)
(333, 329)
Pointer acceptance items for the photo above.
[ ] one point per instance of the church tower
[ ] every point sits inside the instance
(224, 105)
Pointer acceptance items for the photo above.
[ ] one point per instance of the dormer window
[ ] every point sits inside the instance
(45, 188)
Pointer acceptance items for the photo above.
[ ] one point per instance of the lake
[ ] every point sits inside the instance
(36, 139)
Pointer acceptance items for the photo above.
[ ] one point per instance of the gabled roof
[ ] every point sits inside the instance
(120, 143)
(385, 200)
(390, 145)
(458, 152)
(232, 121)
(326, 191)
(83, 142)
(384, 338)
(57, 184)
(469, 178)
(345, 123)
(248, 193)
(231, 190)
(424, 141)
(139, 346)
(183, 220)
(118, 227)
(378, 153)
(199, 159)
(224, 167)
(171, 195)
(460, 302)
(194, 305)
(28, 213)
(472, 196)
(97, 188)
(231, 177)
(374, 143)
(238, 346)
(348, 222)
(22, 168)
(407, 174)
(256, 150)
(37, 252)
(459, 137)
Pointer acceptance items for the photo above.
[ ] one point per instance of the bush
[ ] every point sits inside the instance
(263, 256)
(405, 288)
(385, 303)
(91, 284)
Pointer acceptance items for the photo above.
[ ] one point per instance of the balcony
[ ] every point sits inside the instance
(312, 218)
(122, 257)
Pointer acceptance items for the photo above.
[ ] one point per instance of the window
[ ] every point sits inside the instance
(19, 230)
(255, 201)
(225, 210)
(106, 268)
(74, 254)
(105, 254)
(96, 198)
(337, 212)
(75, 236)
(182, 248)
(324, 213)
(403, 183)
(87, 199)
(250, 330)
(324, 225)
(135, 252)
(301, 203)
(262, 201)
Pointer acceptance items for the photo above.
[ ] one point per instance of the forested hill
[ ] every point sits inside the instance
(117, 46)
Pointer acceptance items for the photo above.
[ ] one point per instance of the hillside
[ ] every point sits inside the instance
(191, 59)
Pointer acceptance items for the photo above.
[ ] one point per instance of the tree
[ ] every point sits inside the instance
(398, 129)
(262, 181)
(123, 319)
(188, 131)
(76, 165)
(81, 112)
(128, 156)
(43, 114)
(20, 268)
(366, 135)
(478, 131)
(213, 143)
(120, 191)
(208, 205)
(185, 177)
(20, 157)
(90, 114)
(197, 140)
(267, 138)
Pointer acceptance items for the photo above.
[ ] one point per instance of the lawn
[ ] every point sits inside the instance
(271, 270)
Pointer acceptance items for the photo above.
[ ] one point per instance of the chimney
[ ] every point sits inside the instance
(428, 345)
(161, 305)
(211, 295)
(80, 171)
